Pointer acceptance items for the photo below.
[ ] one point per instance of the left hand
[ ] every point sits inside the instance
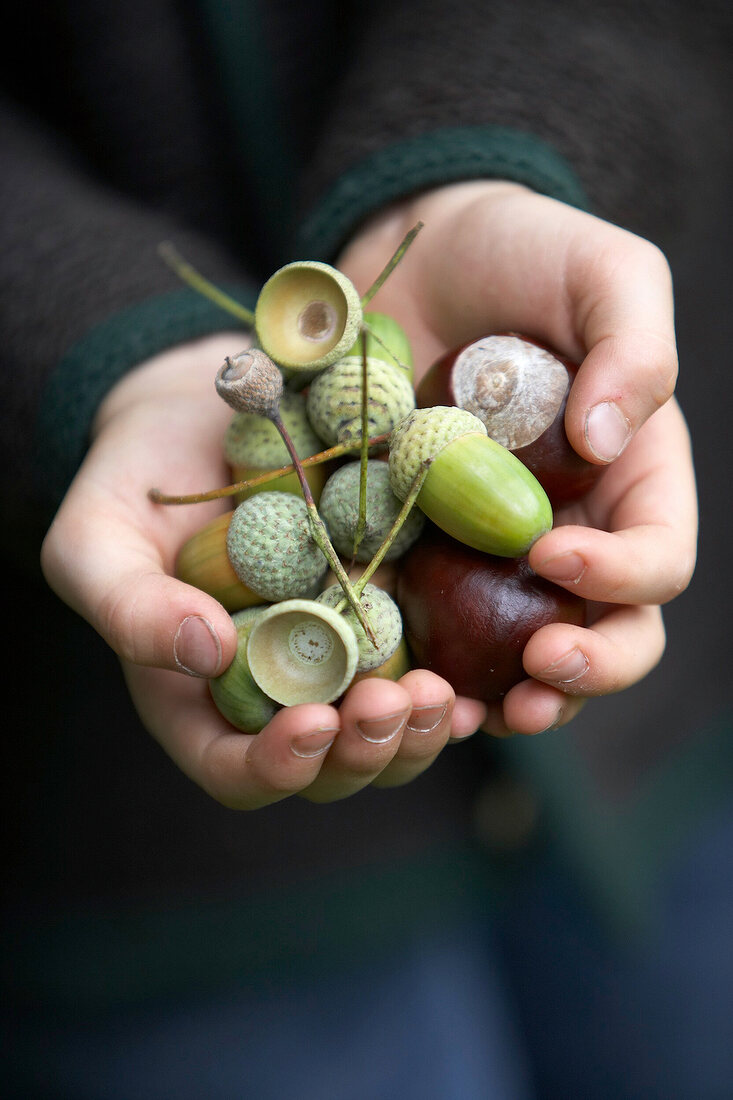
(496, 257)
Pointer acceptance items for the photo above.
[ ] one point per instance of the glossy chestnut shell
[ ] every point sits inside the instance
(468, 616)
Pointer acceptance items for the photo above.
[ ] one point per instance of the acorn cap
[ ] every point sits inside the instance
(339, 508)
(203, 562)
(300, 651)
(252, 440)
(235, 693)
(384, 617)
(271, 549)
(421, 436)
(334, 399)
(307, 315)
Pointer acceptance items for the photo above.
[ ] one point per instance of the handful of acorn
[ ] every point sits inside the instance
(338, 462)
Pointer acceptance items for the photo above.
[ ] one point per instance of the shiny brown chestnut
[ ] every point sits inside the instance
(519, 388)
(467, 615)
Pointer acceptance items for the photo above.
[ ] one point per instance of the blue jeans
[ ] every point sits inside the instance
(534, 1002)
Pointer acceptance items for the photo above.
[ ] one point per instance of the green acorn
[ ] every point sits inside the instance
(334, 400)
(386, 340)
(474, 489)
(253, 444)
(384, 616)
(235, 692)
(271, 548)
(339, 508)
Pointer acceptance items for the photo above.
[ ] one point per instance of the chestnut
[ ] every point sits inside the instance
(519, 389)
(468, 615)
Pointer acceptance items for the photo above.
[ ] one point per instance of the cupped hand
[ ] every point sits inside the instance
(496, 257)
(110, 554)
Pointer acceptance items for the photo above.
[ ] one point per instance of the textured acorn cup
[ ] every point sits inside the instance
(392, 669)
(339, 508)
(253, 444)
(475, 490)
(384, 616)
(307, 315)
(300, 651)
(203, 562)
(235, 693)
(334, 400)
(519, 389)
(271, 549)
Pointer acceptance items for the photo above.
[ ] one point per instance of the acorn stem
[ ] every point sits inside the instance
(391, 264)
(364, 454)
(193, 278)
(320, 534)
(336, 451)
(391, 535)
(366, 327)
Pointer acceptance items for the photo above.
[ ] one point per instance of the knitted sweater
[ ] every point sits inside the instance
(251, 134)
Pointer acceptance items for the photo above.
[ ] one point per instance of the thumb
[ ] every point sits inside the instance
(147, 617)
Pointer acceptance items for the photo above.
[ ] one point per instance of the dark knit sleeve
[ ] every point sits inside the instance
(586, 103)
(85, 297)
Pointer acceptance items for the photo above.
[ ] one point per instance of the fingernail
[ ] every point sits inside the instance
(607, 431)
(569, 668)
(425, 719)
(196, 647)
(568, 567)
(313, 744)
(380, 730)
(554, 724)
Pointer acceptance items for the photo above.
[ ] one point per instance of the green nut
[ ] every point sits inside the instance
(339, 508)
(334, 400)
(235, 693)
(474, 489)
(271, 549)
(384, 617)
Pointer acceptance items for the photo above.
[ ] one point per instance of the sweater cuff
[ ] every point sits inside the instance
(96, 362)
(430, 160)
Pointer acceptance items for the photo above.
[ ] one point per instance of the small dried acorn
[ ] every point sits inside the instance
(307, 315)
(474, 489)
(235, 693)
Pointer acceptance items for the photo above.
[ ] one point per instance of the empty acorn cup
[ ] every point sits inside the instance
(308, 315)
(300, 651)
